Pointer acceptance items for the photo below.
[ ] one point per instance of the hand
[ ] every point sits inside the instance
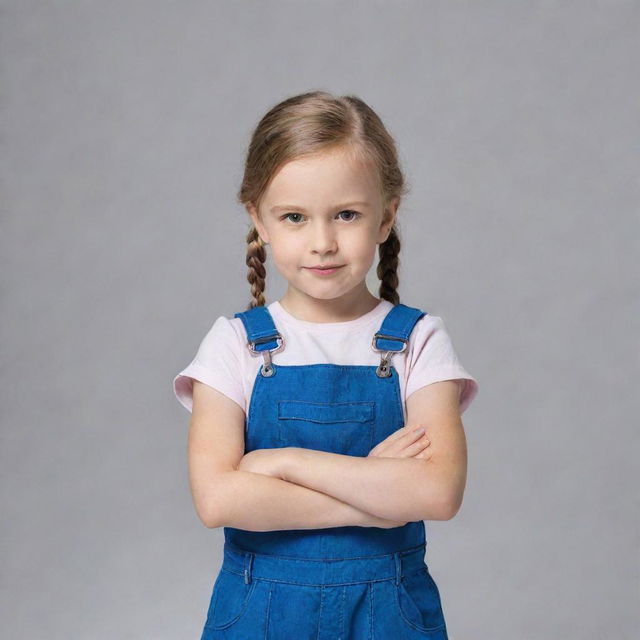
(264, 461)
(403, 443)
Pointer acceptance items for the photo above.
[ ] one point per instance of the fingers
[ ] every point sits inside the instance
(404, 432)
(405, 442)
(425, 454)
(419, 445)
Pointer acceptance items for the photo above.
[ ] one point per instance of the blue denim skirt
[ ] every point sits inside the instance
(269, 597)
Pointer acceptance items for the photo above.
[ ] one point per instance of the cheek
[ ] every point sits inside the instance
(284, 252)
(364, 249)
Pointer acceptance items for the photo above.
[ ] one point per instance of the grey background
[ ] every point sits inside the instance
(124, 126)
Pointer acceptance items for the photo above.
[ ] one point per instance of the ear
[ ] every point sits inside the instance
(388, 219)
(257, 223)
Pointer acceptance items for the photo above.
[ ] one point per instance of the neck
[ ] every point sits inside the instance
(343, 309)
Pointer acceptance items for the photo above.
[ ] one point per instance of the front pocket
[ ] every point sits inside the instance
(229, 600)
(335, 427)
(418, 600)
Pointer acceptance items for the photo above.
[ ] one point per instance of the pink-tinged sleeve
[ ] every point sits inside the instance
(216, 364)
(433, 358)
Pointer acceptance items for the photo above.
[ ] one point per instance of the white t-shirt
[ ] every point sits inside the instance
(223, 360)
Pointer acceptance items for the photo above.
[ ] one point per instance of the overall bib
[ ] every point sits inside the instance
(339, 583)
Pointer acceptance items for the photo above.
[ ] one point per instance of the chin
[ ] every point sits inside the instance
(328, 293)
(320, 295)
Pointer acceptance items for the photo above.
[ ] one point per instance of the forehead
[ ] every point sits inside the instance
(328, 176)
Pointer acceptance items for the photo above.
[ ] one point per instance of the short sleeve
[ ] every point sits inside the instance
(216, 364)
(432, 358)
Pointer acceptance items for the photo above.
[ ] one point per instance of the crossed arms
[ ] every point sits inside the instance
(296, 488)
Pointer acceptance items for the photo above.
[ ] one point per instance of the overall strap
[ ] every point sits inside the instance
(397, 327)
(393, 335)
(262, 335)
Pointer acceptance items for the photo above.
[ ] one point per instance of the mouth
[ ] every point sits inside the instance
(326, 270)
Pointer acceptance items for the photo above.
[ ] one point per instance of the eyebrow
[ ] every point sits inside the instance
(292, 207)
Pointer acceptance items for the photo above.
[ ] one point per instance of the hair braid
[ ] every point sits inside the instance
(256, 256)
(387, 270)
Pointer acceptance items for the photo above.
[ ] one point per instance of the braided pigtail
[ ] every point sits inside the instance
(256, 256)
(387, 270)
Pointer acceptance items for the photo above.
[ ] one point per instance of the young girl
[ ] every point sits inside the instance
(303, 439)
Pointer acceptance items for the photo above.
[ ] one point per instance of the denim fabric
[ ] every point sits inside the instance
(339, 583)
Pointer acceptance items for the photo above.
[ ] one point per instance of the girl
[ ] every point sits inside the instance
(323, 483)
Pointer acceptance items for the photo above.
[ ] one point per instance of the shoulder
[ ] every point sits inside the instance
(220, 362)
(432, 357)
(430, 343)
(225, 335)
(428, 329)
(222, 327)
(431, 335)
(430, 323)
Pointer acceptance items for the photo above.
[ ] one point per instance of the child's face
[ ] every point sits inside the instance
(306, 218)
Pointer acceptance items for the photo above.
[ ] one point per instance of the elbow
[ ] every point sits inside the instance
(215, 515)
(448, 513)
(445, 507)
(445, 510)
(213, 524)
(211, 521)
(208, 516)
(441, 498)
(214, 518)
(451, 506)
(211, 507)
(450, 492)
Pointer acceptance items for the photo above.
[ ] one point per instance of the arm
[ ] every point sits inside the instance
(224, 495)
(407, 489)
(258, 502)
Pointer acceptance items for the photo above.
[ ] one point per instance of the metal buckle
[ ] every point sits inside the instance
(384, 368)
(382, 335)
(267, 367)
(279, 340)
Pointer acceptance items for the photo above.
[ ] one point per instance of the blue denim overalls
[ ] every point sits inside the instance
(340, 583)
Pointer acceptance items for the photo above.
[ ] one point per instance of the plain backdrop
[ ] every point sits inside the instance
(123, 132)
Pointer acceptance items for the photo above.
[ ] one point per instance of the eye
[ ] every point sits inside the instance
(286, 216)
(355, 214)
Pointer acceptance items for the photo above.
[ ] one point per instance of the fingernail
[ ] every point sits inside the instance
(419, 430)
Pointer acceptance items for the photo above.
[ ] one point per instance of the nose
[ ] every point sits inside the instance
(323, 238)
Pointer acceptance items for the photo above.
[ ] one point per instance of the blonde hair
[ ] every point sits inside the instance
(307, 124)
